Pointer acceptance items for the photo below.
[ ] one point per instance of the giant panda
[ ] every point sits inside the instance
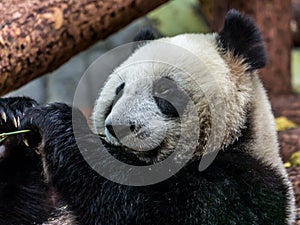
(144, 110)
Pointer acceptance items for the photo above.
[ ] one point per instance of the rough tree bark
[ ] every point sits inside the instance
(38, 36)
(273, 18)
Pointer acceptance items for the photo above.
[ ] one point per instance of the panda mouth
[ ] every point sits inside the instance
(148, 156)
(149, 152)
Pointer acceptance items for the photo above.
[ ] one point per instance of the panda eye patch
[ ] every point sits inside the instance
(120, 88)
(119, 93)
(163, 86)
(166, 107)
(118, 96)
(170, 99)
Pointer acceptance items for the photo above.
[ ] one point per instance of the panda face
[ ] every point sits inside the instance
(144, 111)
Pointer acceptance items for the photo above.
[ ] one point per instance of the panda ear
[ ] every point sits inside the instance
(242, 37)
(146, 34)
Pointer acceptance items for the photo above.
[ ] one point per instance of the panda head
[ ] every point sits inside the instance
(166, 88)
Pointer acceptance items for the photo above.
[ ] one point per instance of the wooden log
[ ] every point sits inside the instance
(38, 36)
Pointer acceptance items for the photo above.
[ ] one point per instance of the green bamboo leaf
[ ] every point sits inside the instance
(3, 136)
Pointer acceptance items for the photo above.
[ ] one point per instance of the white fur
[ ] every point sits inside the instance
(265, 145)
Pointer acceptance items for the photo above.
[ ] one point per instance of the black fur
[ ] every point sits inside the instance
(143, 36)
(235, 189)
(120, 88)
(24, 196)
(242, 37)
(166, 107)
(146, 34)
(170, 99)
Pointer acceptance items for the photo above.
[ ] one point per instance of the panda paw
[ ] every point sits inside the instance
(12, 111)
(47, 120)
(49, 124)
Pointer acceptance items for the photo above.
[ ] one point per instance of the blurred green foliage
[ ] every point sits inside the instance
(296, 69)
(282, 123)
(179, 16)
(294, 160)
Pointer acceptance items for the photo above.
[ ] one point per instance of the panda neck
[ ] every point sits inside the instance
(258, 137)
(243, 143)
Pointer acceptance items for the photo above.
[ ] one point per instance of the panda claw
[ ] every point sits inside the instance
(26, 142)
(37, 151)
(18, 121)
(15, 122)
(3, 116)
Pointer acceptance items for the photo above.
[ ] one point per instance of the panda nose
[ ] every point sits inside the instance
(120, 131)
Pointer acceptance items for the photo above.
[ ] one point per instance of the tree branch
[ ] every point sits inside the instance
(38, 36)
